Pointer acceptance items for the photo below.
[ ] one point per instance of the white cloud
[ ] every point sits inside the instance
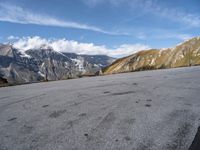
(183, 36)
(16, 14)
(128, 49)
(63, 45)
(141, 36)
(26, 43)
(11, 37)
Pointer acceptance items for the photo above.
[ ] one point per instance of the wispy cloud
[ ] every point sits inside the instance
(11, 37)
(182, 37)
(115, 3)
(64, 45)
(176, 15)
(16, 14)
(153, 7)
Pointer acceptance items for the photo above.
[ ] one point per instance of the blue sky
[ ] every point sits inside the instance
(118, 25)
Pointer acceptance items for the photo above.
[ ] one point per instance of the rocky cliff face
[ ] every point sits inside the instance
(46, 64)
(185, 54)
(89, 64)
(17, 67)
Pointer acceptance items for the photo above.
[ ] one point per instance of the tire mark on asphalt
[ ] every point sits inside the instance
(107, 85)
(179, 136)
(184, 120)
(18, 101)
(11, 119)
(145, 145)
(26, 129)
(105, 122)
(44, 106)
(124, 127)
(123, 93)
(57, 113)
(76, 103)
(96, 138)
(4, 97)
(99, 136)
(68, 127)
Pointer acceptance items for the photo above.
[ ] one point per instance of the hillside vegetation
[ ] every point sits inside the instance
(185, 54)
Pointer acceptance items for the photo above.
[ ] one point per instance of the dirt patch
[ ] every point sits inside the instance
(127, 138)
(129, 120)
(148, 105)
(86, 135)
(135, 83)
(82, 115)
(145, 145)
(26, 129)
(56, 114)
(148, 100)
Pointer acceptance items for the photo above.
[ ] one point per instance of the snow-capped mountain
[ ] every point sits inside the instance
(34, 65)
(89, 63)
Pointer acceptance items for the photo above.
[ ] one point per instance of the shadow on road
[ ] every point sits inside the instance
(196, 142)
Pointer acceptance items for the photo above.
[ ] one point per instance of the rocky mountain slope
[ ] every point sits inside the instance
(44, 64)
(185, 54)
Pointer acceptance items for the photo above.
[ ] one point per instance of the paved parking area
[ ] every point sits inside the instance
(150, 110)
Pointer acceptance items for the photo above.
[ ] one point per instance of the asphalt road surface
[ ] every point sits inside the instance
(150, 110)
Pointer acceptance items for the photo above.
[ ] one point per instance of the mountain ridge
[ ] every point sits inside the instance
(184, 54)
(45, 64)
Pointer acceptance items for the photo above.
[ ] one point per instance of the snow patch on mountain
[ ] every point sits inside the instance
(79, 63)
(23, 54)
(41, 74)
